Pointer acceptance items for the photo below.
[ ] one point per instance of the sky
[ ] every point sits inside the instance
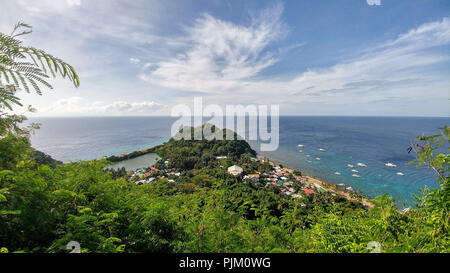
(328, 57)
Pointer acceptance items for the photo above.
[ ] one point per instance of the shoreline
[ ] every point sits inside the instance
(317, 183)
(309, 180)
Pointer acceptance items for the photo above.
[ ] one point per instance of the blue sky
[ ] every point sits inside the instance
(330, 57)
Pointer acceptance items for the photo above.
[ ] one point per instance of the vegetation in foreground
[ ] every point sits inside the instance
(45, 204)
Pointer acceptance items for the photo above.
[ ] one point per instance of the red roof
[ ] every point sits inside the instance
(308, 191)
(148, 173)
(253, 176)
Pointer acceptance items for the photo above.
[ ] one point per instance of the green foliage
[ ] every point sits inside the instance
(196, 154)
(206, 210)
(23, 67)
(435, 203)
(44, 204)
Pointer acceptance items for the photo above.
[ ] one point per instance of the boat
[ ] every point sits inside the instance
(301, 145)
(300, 151)
(361, 164)
(307, 155)
(355, 171)
(350, 165)
(400, 173)
(317, 158)
(389, 164)
(355, 175)
(322, 150)
(337, 173)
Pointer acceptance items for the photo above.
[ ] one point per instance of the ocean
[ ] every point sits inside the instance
(373, 141)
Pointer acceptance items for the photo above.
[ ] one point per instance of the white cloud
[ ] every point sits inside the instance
(222, 53)
(396, 61)
(74, 2)
(135, 60)
(225, 59)
(77, 105)
(373, 2)
(133, 107)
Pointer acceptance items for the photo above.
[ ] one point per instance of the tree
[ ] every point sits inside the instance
(22, 67)
(435, 203)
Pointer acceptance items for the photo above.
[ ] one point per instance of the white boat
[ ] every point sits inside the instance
(301, 145)
(317, 158)
(307, 155)
(300, 151)
(400, 173)
(337, 173)
(322, 150)
(361, 165)
(355, 175)
(350, 165)
(389, 164)
(355, 171)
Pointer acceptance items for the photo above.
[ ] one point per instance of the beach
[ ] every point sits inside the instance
(319, 184)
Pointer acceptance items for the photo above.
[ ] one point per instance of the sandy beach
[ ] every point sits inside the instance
(316, 183)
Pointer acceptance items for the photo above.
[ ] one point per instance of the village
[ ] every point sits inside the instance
(289, 182)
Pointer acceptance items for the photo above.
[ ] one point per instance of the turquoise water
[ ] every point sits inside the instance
(373, 141)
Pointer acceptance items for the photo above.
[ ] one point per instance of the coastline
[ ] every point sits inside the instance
(317, 183)
(307, 179)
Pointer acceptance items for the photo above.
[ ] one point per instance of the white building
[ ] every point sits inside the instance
(235, 170)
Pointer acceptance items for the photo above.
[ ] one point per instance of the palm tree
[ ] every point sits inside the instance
(22, 67)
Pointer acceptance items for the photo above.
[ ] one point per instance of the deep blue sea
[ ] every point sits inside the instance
(373, 141)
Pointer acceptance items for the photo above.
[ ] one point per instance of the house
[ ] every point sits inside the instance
(405, 210)
(254, 177)
(221, 157)
(308, 191)
(235, 170)
(140, 182)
